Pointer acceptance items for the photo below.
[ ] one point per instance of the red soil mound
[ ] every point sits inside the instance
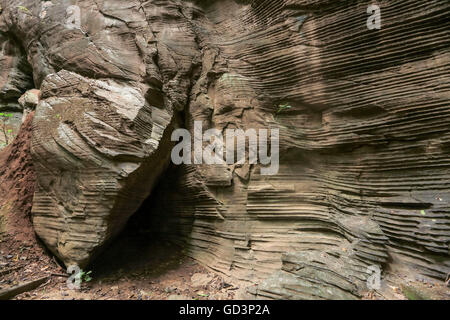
(17, 181)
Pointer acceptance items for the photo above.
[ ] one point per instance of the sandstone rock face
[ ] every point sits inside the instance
(15, 79)
(15, 72)
(364, 172)
(28, 101)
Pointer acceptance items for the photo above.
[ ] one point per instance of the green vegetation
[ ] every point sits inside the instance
(283, 107)
(24, 9)
(203, 295)
(4, 129)
(85, 276)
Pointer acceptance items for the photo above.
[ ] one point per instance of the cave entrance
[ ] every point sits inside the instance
(146, 247)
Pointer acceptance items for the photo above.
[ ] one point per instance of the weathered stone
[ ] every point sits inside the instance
(15, 72)
(15, 79)
(28, 101)
(100, 140)
(364, 168)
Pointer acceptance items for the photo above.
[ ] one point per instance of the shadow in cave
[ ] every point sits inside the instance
(144, 248)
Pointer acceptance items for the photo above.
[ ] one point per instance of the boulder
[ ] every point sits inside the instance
(28, 101)
(101, 133)
(362, 113)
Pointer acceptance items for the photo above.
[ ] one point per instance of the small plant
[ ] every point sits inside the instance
(24, 9)
(85, 276)
(283, 107)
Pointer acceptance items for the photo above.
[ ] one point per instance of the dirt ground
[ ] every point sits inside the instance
(162, 272)
(139, 268)
(133, 268)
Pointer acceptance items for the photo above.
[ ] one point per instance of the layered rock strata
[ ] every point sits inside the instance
(363, 116)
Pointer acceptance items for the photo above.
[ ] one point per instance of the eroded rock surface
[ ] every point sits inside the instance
(15, 79)
(364, 173)
(363, 182)
(109, 92)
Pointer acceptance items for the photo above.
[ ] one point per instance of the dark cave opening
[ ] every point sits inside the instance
(151, 242)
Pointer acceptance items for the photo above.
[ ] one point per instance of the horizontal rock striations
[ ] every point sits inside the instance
(363, 115)
(364, 172)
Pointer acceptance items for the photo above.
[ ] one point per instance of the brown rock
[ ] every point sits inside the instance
(364, 140)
